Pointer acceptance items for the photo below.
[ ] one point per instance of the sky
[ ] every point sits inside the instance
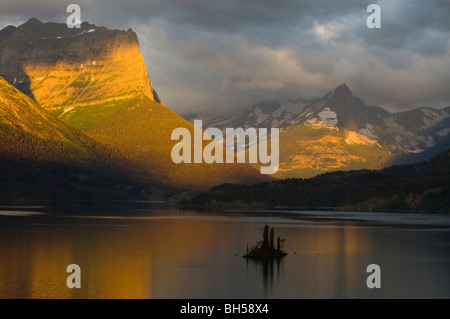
(225, 56)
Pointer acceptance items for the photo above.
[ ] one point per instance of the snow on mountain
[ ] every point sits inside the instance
(432, 117)
(260, 116)
(349, 122)
(444, 132)
(327, 118)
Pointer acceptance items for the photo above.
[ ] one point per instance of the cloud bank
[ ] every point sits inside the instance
(220, 56)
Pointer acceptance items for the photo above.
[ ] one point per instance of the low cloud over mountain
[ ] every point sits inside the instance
(224, 55)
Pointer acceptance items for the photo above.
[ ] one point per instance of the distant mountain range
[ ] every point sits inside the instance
(340, 132)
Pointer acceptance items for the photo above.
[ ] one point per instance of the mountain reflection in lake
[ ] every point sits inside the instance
(148, 252)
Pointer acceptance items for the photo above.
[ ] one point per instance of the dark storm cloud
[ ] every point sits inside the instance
(207, 55)
(416, 25)
(230, 14)
(45, 10)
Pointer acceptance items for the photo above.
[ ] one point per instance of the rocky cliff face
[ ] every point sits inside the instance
(71, 72)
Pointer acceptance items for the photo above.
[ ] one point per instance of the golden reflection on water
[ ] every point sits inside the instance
(114, 263)
(330, 253)
(116, 259)
(144, 258)
(338, 251)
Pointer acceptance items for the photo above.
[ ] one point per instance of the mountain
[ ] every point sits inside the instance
(264, 114)
(43, 158)
(340, 132)
(96, 80)
(79, 75)
(422, 156)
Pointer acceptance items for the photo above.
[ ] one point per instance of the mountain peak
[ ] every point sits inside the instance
(88, 66)
(31, 26)
(7, 31)
(340, 94)
(33, 21)
(34, 26)
(343, 89)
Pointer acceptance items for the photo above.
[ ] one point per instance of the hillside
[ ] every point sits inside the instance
(421, 187)
(143, 129)
(44, 159)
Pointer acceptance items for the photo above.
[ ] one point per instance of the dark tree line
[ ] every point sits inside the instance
(420, 187)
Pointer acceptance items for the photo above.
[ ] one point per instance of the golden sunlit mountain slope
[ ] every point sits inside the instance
(95, 79)
(143, 129)
(41, 157)
(307, 151)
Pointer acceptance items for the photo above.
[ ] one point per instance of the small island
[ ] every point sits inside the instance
(265, 249)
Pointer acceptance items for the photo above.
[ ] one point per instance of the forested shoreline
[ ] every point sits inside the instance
(422, 187)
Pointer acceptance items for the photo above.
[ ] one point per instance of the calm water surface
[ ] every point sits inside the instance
(147, 251)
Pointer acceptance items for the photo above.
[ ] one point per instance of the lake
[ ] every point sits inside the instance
(143, 250)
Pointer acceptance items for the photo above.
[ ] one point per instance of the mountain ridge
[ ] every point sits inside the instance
(340, 132)
(87, 67)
